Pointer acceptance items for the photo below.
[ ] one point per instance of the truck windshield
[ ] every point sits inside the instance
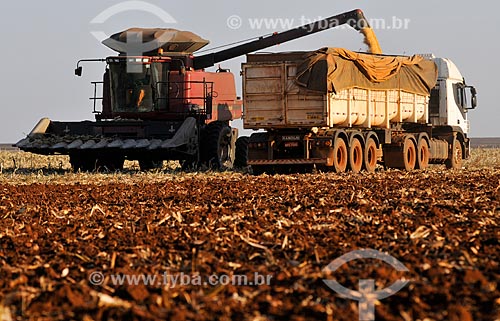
(138, 91)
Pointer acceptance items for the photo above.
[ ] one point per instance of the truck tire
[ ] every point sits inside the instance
(241, 159)
(402, 155)
(423, 154)
(340, 155)
(217, 146)
(409, 154)
(455, 159)
(355, 155)
(370, 156)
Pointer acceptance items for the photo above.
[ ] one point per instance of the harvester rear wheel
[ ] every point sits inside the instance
(218, 149)
(355, 155)
(423, 154)
(241, 159)
(455, 159)
(370, 159)
(340, 155)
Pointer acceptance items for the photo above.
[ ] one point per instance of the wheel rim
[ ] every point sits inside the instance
(356, 156)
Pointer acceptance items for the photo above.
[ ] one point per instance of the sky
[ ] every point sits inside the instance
(43, 40)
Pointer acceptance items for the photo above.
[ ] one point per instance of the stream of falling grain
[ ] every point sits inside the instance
(371, 40)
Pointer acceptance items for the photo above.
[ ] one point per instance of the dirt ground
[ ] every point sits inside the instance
(443, 226)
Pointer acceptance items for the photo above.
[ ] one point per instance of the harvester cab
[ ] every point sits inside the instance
(161, 84)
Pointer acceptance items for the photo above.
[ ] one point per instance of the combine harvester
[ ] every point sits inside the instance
(332, 108)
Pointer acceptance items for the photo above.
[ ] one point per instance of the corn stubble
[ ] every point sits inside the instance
(58, 228)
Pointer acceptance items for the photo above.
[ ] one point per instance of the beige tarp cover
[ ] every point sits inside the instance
(144, 40)
(335, 69)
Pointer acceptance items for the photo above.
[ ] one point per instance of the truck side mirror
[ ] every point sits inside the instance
(471, 95)
(78, 71)
(474, 102)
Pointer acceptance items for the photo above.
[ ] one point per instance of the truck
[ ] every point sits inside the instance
(157, 102)
(338, 110)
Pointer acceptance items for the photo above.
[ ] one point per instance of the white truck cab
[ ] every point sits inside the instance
(452, 98)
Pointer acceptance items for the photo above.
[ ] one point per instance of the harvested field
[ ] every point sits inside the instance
(58, 230)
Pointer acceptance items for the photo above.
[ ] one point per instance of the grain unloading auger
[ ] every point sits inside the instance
(159, 103)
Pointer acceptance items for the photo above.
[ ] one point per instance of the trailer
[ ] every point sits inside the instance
(334, 109)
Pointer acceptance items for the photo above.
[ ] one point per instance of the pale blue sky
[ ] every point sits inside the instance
(42, 42)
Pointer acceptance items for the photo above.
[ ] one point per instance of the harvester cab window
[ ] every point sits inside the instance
(131, 91)
(160, 85)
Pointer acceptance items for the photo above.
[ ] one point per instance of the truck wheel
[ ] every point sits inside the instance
(355, 155)
(218, 148)
(423, 154)
(454, 161)
(370, 159)
(241, 159)
(340, 155)
(147, 164)
(409, 154)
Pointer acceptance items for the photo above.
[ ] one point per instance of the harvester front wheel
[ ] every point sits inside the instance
(150, 164)
(96, 161)
(218, 146)
(82, 162)
(109, 163)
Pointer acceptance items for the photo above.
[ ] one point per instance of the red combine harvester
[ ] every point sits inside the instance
(160, 104)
